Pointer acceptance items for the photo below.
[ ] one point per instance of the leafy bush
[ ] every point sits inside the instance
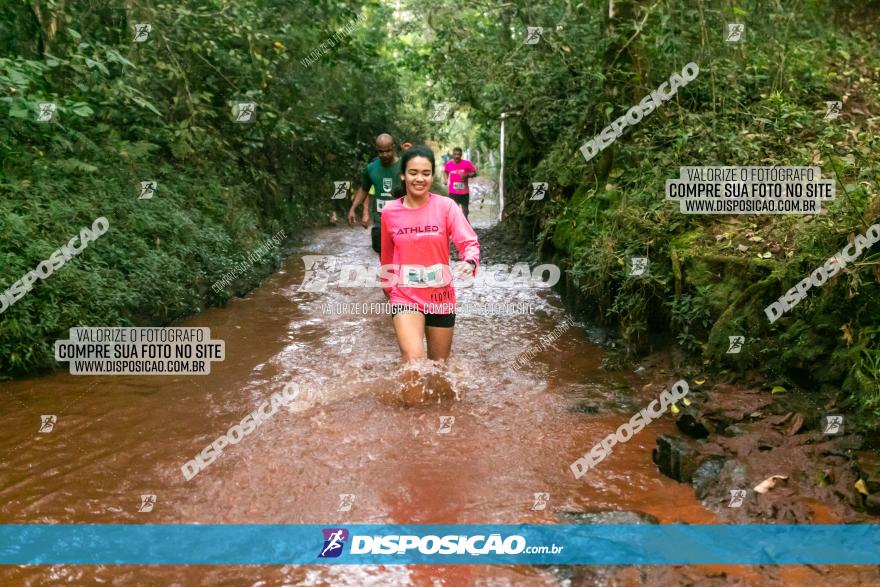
(161, 110)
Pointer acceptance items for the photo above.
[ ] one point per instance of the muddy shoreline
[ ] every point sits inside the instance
(734, 435)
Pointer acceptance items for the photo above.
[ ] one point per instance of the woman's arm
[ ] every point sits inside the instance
(463, 235)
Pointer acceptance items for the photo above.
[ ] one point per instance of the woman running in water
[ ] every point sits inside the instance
(416, 230)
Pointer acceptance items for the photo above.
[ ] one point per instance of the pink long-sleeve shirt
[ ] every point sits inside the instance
(415, 249)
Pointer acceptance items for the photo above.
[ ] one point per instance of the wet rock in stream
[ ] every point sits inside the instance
(675, 457)
(734, 438)
(691, 422)
(607, 518)
(706, 475)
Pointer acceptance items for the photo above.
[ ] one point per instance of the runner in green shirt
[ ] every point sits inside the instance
(383, 174)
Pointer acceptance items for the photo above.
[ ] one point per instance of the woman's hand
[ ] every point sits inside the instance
(365, 218)
(463, 270)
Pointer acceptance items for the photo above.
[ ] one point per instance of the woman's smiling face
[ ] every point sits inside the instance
(418, 176)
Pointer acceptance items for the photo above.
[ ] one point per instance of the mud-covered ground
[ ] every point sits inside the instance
(732, 437)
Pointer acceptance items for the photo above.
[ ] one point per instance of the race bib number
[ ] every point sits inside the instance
(458, 185)
(380, 202)
(418, 276)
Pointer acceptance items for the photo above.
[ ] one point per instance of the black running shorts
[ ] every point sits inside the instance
(433, 320)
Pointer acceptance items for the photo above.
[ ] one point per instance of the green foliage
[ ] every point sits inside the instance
(863, 379)
(691, 317)
(760, 102)
(161, 110)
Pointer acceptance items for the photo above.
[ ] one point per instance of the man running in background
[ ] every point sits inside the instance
(383, 175)
(458, 171)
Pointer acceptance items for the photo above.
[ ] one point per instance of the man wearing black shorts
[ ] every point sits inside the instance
(382, 174)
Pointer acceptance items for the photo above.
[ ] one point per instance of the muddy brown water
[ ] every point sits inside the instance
(514, 434)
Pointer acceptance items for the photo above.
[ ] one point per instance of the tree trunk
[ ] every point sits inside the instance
(49, 25)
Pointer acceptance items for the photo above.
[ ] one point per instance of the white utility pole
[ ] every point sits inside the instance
(501, 172)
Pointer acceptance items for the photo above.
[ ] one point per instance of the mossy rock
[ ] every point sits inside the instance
(743, 316)
(727, 276)
(686, 241)
(571, 229)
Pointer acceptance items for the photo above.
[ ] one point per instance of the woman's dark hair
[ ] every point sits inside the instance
(408, 155)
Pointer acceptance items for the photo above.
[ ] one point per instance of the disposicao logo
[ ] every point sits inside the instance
(394, 544)
(334, 541)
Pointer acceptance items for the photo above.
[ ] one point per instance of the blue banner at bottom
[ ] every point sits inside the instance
(527, 544)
